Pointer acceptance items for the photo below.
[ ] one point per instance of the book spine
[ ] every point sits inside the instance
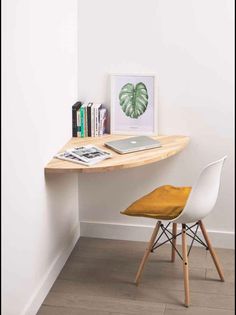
(74, 125)
(85, 122)
(89, 120)
(99, 108)
(102, 120)
(75, 107)
(99, 122)
(96, 121)
(92, 121)
(82, 121)
(78, 123)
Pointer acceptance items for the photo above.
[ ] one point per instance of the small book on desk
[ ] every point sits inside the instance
(85, 155)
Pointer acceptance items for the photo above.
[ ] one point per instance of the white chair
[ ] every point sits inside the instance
(199, 204)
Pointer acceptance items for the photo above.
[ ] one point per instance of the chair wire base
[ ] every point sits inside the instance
(170, 237)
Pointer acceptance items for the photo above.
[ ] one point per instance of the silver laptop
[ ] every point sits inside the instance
(133, 144)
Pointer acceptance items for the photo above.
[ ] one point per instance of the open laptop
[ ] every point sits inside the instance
(133, 144)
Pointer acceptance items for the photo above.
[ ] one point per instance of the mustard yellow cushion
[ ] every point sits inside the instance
(165, 202)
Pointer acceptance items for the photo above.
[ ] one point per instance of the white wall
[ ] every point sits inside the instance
(39, 218)
(188, 44)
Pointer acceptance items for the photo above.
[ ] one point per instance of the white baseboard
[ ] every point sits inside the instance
(50, 276)
(220, 239)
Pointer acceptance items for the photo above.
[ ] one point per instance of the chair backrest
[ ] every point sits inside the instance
(204, 194)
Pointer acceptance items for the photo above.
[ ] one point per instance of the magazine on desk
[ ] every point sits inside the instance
(85, 155)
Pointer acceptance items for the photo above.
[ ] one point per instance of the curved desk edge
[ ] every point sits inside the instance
(171, 145)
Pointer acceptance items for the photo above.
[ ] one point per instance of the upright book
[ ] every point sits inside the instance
(82, 119)
(96, 119)
(78, 115)
(85, 121)
(102, 121)
(75, 107)
(89, 112)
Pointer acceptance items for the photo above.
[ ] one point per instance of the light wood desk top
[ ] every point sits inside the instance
(171, 145)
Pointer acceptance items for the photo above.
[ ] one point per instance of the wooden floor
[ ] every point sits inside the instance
(98, 280)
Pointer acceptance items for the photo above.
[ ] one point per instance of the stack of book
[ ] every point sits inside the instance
(85, 155)
(88, 120)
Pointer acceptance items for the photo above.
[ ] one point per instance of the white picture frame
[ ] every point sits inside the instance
(143, 88)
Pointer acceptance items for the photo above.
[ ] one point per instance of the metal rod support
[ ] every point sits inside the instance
(193, 236)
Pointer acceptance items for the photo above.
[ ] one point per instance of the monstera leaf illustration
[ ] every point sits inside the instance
(133, 99)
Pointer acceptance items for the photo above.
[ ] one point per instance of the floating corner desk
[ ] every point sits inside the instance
(171, 145)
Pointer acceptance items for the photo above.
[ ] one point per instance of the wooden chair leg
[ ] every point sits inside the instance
(147, 252)
(174, 232)
(185, 265)
(213, 254)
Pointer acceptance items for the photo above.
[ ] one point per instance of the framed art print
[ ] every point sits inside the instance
(133, 105)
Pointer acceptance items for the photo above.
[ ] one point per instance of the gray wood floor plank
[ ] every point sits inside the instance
(101, 288)
(177, 297)
(211, 274)
(58, 310)
(193, 310)
(101, 304)
(196, 285)
(226, 257)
